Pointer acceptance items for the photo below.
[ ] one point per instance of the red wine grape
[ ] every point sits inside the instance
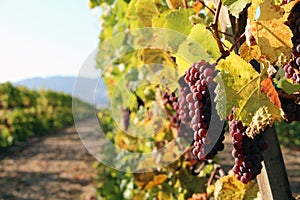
(199, 78)
(248, 153)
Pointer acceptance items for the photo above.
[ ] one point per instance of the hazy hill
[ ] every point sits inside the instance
(65, 84)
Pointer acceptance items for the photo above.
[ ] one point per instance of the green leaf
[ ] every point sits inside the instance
(287, 86)
(146, 10)
(177, 20)
(242, 85)
(236, 6)
(199, 45)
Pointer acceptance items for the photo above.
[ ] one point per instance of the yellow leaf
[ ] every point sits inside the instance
(210, 190)
(271, 34)
(146, 10)
(249, 52)
(229, 188)
(174, 4)
(270, 11)
(197, 6)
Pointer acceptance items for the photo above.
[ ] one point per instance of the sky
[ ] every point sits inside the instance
(40, 38)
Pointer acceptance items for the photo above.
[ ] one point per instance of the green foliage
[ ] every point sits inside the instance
(289, 134)
(25, 113)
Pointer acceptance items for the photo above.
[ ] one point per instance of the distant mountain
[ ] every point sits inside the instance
(65, 84)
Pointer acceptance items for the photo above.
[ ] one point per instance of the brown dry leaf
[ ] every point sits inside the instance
(148, 180)
(159, 179)
(268, 88)
(271, 34)
(143, 178)
(249, 52)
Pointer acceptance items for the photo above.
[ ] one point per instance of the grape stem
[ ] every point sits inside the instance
(216, 32)
(229, 35)
(216, 167)
(236, 42)
(203, 3)
(185, 5)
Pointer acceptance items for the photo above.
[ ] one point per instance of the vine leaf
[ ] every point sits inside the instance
(242, 87)
(228, 187)
(174, 4)
(145, 11)
(200, 45)
(197, 7)
(177, 20)
(148, 180)
(249, 52)
(271, 34)
(268, 88)
(236, 6)
(287, 86)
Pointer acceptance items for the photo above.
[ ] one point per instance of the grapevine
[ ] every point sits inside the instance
(245, 62)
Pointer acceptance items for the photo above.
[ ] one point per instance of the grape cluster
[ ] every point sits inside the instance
(292, 68)
(200, 77)
(248, 153)
(291, 110)
(170, 100)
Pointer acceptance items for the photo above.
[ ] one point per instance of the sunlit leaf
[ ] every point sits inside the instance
(146, 10)
(228, 188)
(235, 6)
(242, 85)
(249, 52)
(271, 34)
(200, 44)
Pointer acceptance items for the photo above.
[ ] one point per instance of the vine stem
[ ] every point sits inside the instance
(216, 32)
(185, 4)
(225, 33)
(212, 175)
(236, 42)
(203, 3)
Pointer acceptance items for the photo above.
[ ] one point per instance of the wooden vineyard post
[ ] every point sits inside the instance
(273, 181)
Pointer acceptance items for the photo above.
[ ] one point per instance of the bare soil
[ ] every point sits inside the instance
(56, 166)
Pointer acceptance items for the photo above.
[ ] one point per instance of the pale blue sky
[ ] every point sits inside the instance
(45, 37)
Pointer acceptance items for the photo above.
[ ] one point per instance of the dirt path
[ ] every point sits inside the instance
(291, 160)
(54, 167)
(58, 167)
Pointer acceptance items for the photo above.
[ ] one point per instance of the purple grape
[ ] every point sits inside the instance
(199, 103)
(247, 152)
